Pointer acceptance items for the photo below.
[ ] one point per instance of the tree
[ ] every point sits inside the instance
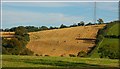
(7, 30)
(44, 28)
(88, 24)
(100, 21)
(74, 25)
(63, 26)
(22, 35)
(12, 46)
(51, 27)
(12, 29)
(32, 28)
(81, 23)
(21, 31)
(17, 44)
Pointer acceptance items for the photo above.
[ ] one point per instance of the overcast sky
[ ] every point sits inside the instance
(55, 14)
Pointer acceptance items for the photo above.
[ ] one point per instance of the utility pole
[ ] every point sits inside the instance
(95, 12)
(119, 10)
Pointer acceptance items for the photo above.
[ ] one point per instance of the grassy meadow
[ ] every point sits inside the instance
(13, 61)
(104, 42)
(112, 30)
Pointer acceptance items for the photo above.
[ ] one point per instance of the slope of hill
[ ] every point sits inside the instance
(113, 29)
(62, 42)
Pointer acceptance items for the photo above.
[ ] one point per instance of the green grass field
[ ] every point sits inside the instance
(10, 61)
(113, 30)
(104, 42)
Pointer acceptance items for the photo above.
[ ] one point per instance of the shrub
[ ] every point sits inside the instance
(36, 54)
(47, 55)
(62, 55)
(81, 54)
(72, 55)
(26, 51)
(110, 51)
(17, 45)
(4, 51)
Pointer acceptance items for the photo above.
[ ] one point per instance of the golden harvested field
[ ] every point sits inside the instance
(7, 34)
(62, 42)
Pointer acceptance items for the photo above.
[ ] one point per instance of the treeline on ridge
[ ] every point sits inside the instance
(34, 29)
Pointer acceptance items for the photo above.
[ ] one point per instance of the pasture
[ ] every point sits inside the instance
(113, 30)
(38, 62)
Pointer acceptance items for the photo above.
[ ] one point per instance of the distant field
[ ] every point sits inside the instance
(62, 42)
(114, 30)
(57, 62)
(7, 34)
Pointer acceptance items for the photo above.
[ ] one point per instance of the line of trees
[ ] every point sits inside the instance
(112, 36)
(34, 29)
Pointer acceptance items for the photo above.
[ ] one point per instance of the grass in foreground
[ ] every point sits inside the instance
(12, 61)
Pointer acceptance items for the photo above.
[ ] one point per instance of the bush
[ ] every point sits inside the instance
(36, 54)
(26, 51)
(17, 45)
(72, 55)
(47, 55)
(4, 51)
(109, 51)
(81, 54)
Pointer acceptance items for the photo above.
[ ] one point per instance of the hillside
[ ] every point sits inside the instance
(62, 42)
(112, 29)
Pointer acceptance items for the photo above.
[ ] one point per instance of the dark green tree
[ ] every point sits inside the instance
(81, 23)
(17, 44)
(100, 21)
(44, 28)
(88, 24)
(63, 26)
(21, 31)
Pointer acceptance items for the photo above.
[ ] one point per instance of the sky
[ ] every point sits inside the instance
(55, 13)
(60, 0)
